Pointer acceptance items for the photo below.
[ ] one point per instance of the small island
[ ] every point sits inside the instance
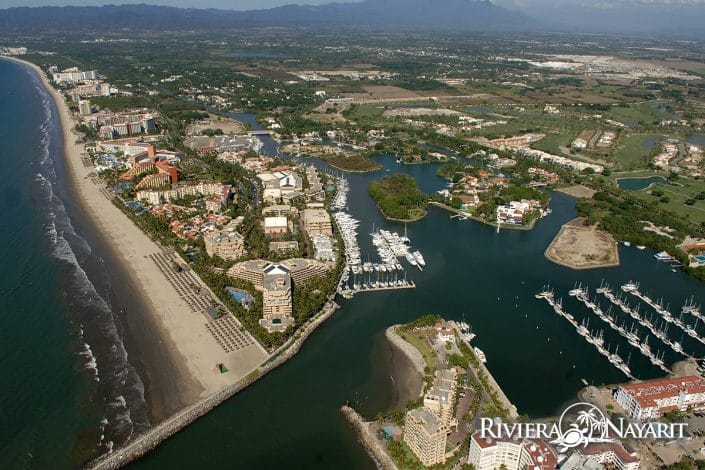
(581, 246)
(353, 163)
(399, 198)
(343, 157)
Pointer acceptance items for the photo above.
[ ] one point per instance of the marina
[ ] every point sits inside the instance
(658, 331)
(690, 330)
(631, 334)
(368, 277)
(594, 339)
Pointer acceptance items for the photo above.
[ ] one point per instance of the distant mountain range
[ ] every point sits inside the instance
(458, 15)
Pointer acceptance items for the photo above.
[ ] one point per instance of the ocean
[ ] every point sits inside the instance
(69, 391)
(72, 389)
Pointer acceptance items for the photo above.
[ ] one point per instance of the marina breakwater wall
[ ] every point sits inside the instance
(368, 440)
(407, 348)
(149, 440)
(511, 408)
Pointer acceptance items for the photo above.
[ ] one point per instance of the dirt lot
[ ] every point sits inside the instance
(383, 92)
(578, 191)
(228, 126)
(580, 247)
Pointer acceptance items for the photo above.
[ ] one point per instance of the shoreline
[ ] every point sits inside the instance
(407, 365)
(524, 228)
(552, 255)
(192, 350)
(165, 391)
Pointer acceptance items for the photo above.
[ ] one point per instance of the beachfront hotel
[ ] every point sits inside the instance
(426, 435)
(652, 398)
(226, 245)
(489, 454)
(156, 196)
(275, 281)
(276, 299)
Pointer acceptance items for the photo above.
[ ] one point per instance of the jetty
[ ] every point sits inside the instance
(153, 437)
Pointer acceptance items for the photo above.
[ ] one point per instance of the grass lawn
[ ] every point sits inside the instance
(639, 114)
(552, 143)
(677, 196)
(366, 111)
(419, 339)
(633, 153)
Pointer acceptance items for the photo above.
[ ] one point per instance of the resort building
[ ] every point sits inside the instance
(301, 270)
(154, 181)
(611, 455)
(275, 226)
(489, 454)
(226, 245)
(283, 247)
(580, 462)
(276, 298)
(317, 222)
(426, 436)
(154, 196)
(441, 396)
(279, 210)
(323, 249)
(652, 398)
(84, 108)
(73, 75)
(280, 185)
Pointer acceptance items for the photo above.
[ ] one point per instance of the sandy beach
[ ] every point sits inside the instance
(406, 372)
(175, 353)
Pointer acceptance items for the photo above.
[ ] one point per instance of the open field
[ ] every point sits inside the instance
(633, 151)
(419, 339)
(552, 143)
(383, 92)
(579, 247)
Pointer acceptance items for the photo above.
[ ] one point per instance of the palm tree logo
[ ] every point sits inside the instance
(581, 424)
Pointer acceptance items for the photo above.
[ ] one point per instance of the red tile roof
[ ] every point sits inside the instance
(646, 393)
(615, 447)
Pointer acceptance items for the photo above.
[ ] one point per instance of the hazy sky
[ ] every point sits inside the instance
(526, 5)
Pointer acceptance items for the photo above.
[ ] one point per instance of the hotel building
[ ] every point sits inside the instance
(489, 454)
(441, 396)
(226, 245)
(426, 435)
(276, 299)
(611, 455)
(317, 222)
(652, 398)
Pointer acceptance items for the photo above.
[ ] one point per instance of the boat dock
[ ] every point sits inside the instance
(595, 340)
(408, 285)
(630, 336)
(633, 289)
(660, 334)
